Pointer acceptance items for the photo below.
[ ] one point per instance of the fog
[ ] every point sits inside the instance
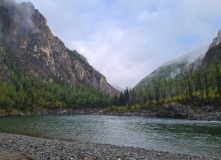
(125, 39)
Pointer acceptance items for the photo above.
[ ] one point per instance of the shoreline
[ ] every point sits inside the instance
(205, 116)
(173, 110)
(40, 148)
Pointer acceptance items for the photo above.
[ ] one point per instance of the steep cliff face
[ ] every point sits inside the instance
(205, 60)
(37, 52)
(214, 52)
(216, 40)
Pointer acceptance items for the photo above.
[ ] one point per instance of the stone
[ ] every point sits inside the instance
(216, 40)
(174, 110)
(35, 48)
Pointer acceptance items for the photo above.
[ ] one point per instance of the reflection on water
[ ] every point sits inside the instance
(180, 136)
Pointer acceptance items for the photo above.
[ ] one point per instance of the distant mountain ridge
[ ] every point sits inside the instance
(186, 63)
(174, 67)
(216, 40)
(36, 52)
(214, 51)
(118, 88)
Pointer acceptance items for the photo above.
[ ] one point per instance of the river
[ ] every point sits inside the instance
(176, 136)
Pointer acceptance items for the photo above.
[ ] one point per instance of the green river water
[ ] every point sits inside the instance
(177, 136)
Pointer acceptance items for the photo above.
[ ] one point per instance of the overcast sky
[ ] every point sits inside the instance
(128, 39)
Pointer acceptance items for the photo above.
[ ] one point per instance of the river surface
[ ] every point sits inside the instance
(176, 136)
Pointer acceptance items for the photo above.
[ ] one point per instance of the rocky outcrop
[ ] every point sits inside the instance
(212, 116)
(205, 60)
(208, 113)
(195, 65)
(178, 111)
(174, 110)
(212, 54)
(37, 52)
(216, 40)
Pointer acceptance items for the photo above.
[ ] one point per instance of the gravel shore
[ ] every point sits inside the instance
(25, 147)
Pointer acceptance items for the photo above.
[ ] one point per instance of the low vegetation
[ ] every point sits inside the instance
(28, 95)
(202, 87)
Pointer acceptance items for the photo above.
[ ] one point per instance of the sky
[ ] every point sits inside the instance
(128, 39)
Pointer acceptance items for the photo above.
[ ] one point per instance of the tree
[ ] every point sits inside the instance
(190, 90)
(199, 85)
(206, 86)
(218, 77)
(127, 97)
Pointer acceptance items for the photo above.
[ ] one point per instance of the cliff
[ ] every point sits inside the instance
(216, 40)
(214, 52)
(36, 52)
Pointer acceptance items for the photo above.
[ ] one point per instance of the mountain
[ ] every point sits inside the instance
(186, 63)
(216, 40)
(36, 52)
(118, 88)
(214, 51)
(174, 67)
(197, 84)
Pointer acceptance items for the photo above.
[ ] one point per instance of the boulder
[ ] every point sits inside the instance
(174, 110)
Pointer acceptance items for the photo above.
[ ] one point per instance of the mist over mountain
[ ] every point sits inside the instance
(36, 52)
(187, 63)
(174, 67)
(118, 88)
(214, 51)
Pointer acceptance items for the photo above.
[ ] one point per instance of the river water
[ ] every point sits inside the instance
(177, 136)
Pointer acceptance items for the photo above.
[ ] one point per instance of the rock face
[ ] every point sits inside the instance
(216, 40)
(208, 113)
(214, 52)
(174, 110)
(37, 52)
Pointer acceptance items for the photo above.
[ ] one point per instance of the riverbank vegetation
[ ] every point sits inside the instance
(30, 94)
(198, 88)
(27, 95)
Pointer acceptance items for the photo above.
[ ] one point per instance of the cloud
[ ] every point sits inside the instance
(126, 39)
(22, 12)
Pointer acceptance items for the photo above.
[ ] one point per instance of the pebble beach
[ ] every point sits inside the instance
(18, 147)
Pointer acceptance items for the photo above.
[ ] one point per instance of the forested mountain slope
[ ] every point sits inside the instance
(36, 52)
(173, 68)
(193, 80)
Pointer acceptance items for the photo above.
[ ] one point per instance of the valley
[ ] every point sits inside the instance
(54, 104)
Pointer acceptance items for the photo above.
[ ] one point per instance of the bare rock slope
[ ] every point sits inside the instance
(37, 52)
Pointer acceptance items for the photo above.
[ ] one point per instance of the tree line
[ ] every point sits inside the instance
(29, 94)
(198, 88)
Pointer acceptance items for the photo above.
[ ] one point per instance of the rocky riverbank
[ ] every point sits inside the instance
(211, 116)
(173, 110)
(15, 146)
(177, 111)
(41, 111)
(139, 114)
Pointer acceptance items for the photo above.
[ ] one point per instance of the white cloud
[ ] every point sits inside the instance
(127, 39)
